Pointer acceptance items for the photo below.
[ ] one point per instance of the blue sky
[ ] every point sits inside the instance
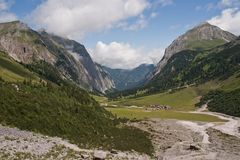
(171, 21)
(129, 34)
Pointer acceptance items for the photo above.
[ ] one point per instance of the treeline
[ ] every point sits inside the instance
(68, 112)
(223, 102)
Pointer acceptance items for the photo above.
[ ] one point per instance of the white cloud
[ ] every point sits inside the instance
(5, 15)
(229, 20)
(78, 17)
(123, 55)
(229, 3)
(141, 23)
(3, 5)
(221, 4)
(156, 55)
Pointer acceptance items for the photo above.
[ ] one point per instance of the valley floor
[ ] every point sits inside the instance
(172, 140)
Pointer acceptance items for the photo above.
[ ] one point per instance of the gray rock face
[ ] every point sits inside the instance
(203, 36)
(18, 41)
(95, 75)
(69, 57)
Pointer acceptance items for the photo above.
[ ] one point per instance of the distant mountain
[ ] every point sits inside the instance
(213, 59)
(126, 79)
(55, 58)
(193, 67)
(202, 37)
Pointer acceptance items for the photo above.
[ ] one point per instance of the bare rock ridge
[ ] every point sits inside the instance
(69, 57)
(203, 36)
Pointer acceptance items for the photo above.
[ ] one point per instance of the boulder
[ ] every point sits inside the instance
(99, 155)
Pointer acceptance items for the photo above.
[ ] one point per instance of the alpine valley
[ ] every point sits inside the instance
(57, 103)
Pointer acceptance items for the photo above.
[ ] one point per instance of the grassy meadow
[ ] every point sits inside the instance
(181, 101)
(139, 114)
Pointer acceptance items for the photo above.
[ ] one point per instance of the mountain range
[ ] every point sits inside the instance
(202, 54)
(50, 85)
(60, 59)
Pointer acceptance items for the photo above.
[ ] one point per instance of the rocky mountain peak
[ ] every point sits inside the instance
(202, 36)
(14, 25)
(69, 57)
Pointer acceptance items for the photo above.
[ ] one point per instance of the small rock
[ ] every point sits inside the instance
(193, 148)
(99, 155)
(85, 156)
(114, 151)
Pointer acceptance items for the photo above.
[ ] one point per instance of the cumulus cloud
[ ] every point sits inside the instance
(5, 15)
(123, 55)
(78, 17)
(229, 20)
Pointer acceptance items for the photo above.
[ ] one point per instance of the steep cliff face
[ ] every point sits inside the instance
(105, 78)
(203, 36)
(93, 73)
(70, 58)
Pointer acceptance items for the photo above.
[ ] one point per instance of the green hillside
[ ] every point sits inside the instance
(60, 109)
(183, 99)
(12, 71)
(66, 112)
(193, 67)
(227, 102)
(204, 44)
